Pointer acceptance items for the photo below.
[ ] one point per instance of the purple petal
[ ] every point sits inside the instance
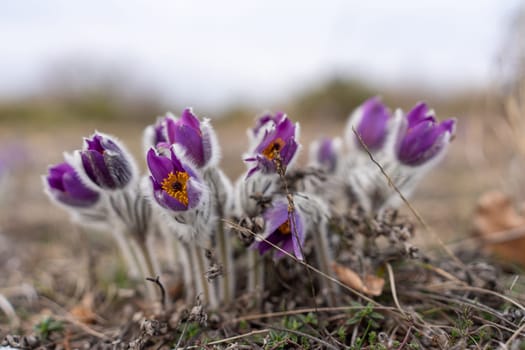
(159, 166)
(65, 185)
(288, 151)
(191, 140)
(96, 169)
(298, 236)
(118, 167)
(94, 144)
(189, 119)
(423, 142)
(417, 114)
(275, 216)
(326, 155)
(170, 130)
(373, 124)
(193, 193)
(266, 119)
(78, 191)
(169, 202)
(274, 237)
(56, 172)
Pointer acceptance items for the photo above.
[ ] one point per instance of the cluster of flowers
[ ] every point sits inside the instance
(186, 196)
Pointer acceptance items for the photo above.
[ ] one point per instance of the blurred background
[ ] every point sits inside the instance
(68, 68)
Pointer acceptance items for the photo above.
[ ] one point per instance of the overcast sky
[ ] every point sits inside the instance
(213, 52)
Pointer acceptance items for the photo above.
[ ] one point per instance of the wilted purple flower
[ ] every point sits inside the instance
(277, 143)
(64, 185)
(370, 121)
(106, 163)
(267, 121)
(421, 137)
(196, 138)
(175, 185)
(324, 153)
(283, 229)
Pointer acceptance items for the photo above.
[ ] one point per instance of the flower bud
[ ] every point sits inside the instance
(106, 163)
(196, 138)
(64, 185)
(156, 135)
(325, 154)
(421, 138)
(370, 120)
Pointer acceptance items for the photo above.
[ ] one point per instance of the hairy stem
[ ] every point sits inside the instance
(203, 286)
(324, 260)
(188, 271)
(223, 242)
(123, 244)
(255, 273)
(145, 268)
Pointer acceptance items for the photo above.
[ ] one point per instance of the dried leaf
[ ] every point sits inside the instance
(500, 226)
(370, 284)
(83, 312)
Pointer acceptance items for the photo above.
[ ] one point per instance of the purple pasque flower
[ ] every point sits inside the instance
(324, 153)
(370, 121)
(421, 137)
(64, 185)
(106, 163)
(278, 145)
(156, 135)
(176, 185)
(267, 121)
(197, 138)
(283, 229)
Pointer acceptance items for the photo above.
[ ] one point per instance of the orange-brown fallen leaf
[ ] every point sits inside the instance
(83, 312)
(500, 227)
(370, 284)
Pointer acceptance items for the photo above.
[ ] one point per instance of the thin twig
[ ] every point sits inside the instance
(156, 280)
(405, 340)
(260, 237)
(226, 340)
(305, 311)
(182, 334)
(393, 288)
(82, 326)
(301, 334)
(515, 335)
(9, 310)
(406, 202)
(281, 170)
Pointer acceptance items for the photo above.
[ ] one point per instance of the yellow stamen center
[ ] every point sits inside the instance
(175, 186)
(285, 228)
(273, 148)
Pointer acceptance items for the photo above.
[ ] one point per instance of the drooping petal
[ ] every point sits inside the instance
(274, 237)
(298, 235)
(275, 216)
